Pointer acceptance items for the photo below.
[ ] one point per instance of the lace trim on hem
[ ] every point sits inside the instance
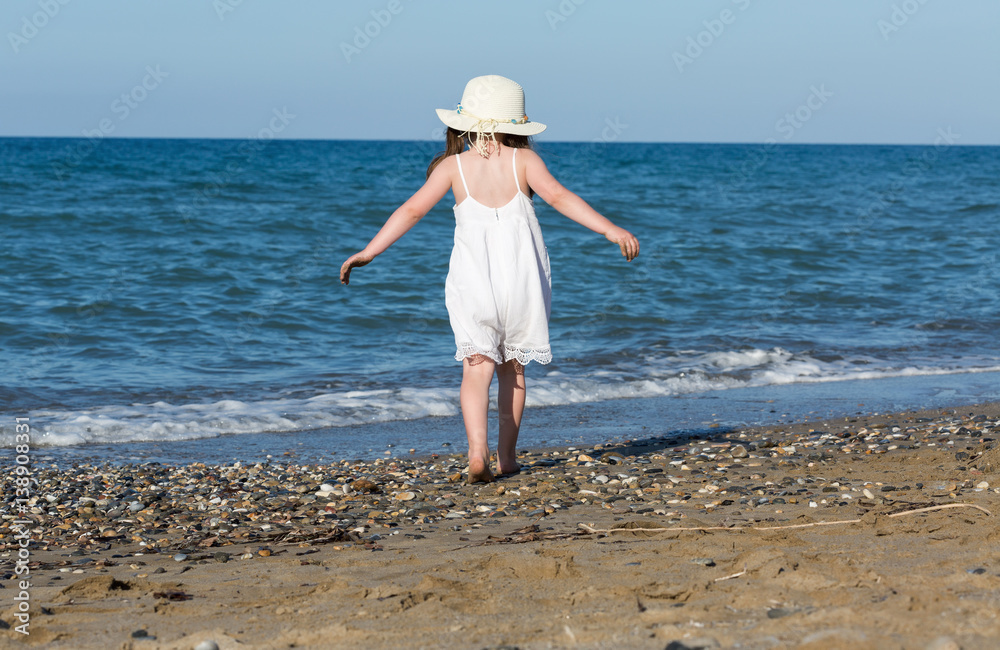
(539, 355)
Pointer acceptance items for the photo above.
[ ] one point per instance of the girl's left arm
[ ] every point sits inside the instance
(405, 217)
(552, 192)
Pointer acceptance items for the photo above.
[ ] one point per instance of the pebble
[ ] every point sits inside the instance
(365, 485)
(706, 643)
(943, 643)
(207, 645)
(173, 509)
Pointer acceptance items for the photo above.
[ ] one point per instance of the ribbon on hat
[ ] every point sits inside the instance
(487, 127)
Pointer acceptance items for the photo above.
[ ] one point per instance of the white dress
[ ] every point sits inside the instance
(499, 286)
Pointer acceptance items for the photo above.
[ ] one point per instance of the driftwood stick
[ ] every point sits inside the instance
(735, 575)
(942, 507)
(591, 529)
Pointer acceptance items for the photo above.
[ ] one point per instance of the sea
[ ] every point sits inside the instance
(178, 300)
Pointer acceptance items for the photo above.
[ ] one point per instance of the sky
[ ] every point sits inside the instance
(789, 71)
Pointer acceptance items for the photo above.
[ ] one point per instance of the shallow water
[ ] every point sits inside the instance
(166, 290)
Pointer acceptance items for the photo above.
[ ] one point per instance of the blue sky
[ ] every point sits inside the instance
(844, 71)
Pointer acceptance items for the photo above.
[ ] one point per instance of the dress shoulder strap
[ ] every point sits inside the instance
(458, 158)
(513, 161)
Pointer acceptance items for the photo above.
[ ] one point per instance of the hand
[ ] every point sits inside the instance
(626, 240)
(354, 261)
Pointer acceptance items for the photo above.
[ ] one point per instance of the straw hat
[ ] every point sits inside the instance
(491, 104)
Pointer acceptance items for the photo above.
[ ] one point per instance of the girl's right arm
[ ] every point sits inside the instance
(552, 192)
(405, 217)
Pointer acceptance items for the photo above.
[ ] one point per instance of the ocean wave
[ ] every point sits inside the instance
(980, 207)
(679, 373)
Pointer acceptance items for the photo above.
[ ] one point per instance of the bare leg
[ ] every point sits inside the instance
(510, 404)
(477, 373)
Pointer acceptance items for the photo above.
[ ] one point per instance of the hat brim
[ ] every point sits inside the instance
(464, 123)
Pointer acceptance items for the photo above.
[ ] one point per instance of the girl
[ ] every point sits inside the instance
(498, 290)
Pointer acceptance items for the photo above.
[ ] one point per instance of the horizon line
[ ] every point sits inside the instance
(594, 142)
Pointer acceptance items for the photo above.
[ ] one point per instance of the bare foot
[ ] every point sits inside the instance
(506, 469)
(479, 471)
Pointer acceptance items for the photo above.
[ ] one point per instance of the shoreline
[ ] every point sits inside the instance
(407, 554)
(549, 426)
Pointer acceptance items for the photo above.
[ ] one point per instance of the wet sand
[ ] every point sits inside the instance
(819, 535)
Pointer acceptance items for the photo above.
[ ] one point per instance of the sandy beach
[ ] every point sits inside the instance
(867, 532)
(716, 283)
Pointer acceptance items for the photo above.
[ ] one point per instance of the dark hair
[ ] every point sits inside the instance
(455, 142)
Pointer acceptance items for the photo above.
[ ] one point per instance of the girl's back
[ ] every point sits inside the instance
(491, 180)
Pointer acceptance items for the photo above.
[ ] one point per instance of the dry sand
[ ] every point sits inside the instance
(479, 580)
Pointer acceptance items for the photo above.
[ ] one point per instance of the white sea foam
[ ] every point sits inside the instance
(675, 374)
(161, 421)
